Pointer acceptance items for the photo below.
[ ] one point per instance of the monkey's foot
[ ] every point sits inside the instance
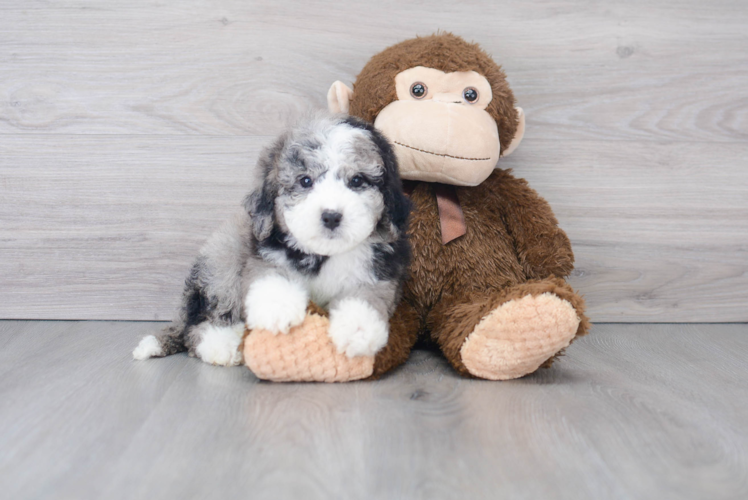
(305, 354)
(517, 337)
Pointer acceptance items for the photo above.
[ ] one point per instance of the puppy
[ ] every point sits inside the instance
(327, 224)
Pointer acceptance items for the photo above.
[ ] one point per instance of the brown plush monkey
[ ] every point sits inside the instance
(489, 259)
(493, 298)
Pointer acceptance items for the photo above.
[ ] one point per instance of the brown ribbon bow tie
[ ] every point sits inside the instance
(451, 218)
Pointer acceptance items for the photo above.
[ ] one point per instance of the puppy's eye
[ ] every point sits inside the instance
(306, 182)
(470, 94)
(418, 90)
(357, 181)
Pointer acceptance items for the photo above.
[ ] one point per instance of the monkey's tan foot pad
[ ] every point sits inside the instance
(518, 336)
(305, 354)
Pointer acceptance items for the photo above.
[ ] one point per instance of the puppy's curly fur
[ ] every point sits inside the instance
(327, 223)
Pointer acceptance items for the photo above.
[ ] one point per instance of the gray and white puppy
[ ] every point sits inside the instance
(326, 223)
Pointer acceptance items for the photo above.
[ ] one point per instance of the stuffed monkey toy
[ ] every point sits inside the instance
(487, 275)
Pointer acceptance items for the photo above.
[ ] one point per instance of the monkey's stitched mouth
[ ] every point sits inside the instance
(440, 154)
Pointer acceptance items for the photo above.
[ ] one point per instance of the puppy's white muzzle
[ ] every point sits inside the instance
(333, 218)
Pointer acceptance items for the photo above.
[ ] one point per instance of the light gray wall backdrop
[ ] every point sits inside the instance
(127, 130)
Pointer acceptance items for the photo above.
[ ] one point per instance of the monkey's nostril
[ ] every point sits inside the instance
(331, 219)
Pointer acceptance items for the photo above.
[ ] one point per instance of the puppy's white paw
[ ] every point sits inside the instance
(147, 348)
(219, 345)
(275, 304)
(357, 329)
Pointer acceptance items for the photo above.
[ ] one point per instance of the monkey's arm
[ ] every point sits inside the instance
(543, 248)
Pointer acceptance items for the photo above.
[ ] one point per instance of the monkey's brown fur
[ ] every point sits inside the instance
(375, 85)
(513, 246)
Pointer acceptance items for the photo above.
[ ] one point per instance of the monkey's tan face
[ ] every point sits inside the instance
(440, 127)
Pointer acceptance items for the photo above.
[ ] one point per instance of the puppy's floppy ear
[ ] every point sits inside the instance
(260, 204)
(396, 205)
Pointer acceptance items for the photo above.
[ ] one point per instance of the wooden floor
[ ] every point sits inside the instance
(633, 411)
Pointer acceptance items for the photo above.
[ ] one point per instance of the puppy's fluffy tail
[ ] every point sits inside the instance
(169, 341)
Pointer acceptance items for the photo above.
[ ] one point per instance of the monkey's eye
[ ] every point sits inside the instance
(306, 182)
(418, 90)
(470, 94)
(357, 181)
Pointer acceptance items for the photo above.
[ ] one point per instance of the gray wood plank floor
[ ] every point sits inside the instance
(632, 411)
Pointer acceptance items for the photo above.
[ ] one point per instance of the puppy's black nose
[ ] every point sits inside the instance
(330, 219)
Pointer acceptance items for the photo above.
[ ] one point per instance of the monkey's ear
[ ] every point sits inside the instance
(339, 97)
(518, 134)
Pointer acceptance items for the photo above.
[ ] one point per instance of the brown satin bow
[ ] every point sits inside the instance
(451, 218)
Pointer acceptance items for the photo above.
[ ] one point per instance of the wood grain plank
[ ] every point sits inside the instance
(110, 225)
(663, 70)
(106, 227)
(48, 366)
(632, 411)
(659, 230)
